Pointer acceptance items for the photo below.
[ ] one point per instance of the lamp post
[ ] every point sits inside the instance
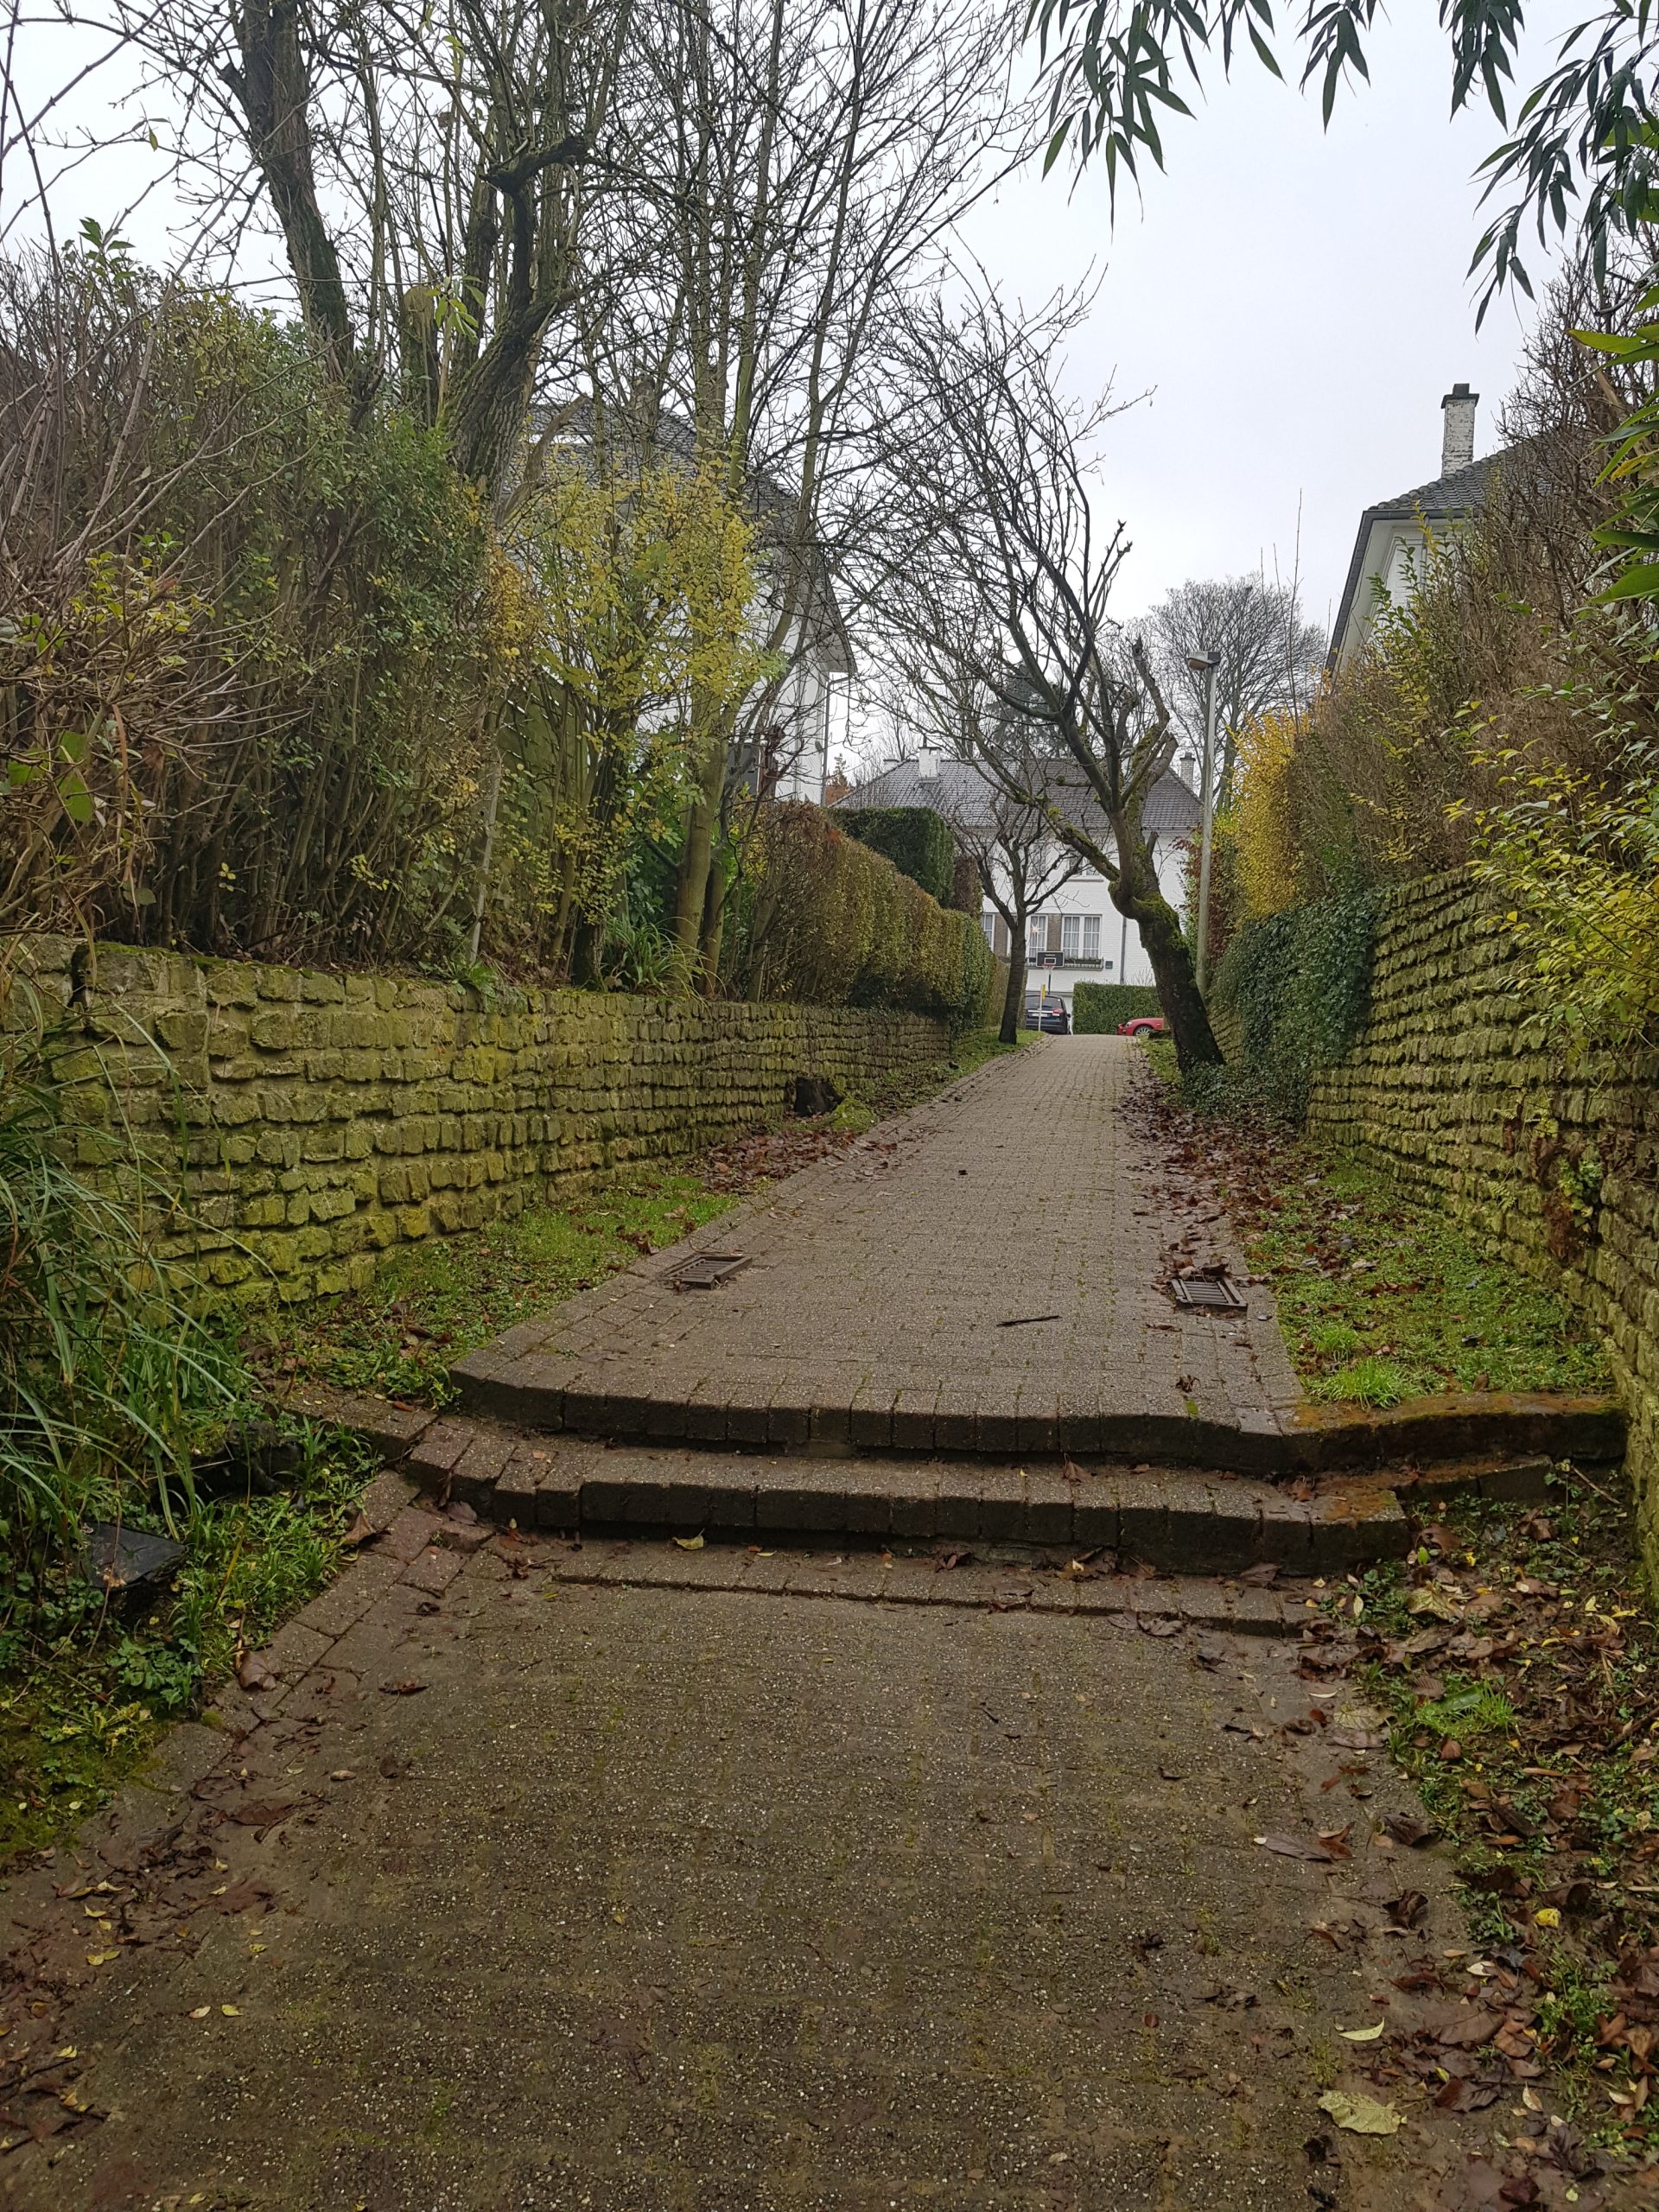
(1205, 664)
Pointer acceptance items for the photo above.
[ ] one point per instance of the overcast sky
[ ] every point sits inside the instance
(1295, 302)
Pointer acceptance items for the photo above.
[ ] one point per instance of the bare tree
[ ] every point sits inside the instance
(1269, 656)
(1008, 578)
(1016, 856)
(427, 173)
(808, 155)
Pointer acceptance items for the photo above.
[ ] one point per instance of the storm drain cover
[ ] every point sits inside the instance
(705, 1269)
(1207, 1293)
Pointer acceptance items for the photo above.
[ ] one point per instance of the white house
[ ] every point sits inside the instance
(1080, 936)
(1395, 534)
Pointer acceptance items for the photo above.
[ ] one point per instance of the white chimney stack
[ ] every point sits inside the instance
(1458, 438)
(927, 763)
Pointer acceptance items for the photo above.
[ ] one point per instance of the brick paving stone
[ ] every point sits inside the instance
(433, 1570)
(877, 1281)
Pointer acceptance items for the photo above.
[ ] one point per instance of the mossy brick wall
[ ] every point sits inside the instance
(1556, 1168)
(313, 1121)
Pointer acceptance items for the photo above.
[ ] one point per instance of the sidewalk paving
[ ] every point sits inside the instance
(530, 1884)
(983, 1274)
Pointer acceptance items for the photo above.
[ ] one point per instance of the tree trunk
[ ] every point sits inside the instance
(697, 854)
(1136, 893)
(1013, 999)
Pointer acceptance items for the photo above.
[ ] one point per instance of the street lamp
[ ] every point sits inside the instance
(1205, 664)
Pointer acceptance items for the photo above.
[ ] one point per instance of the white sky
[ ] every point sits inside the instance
(1296, 302)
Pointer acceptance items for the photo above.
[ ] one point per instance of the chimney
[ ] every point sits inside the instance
(927, 763)
(1458, 439)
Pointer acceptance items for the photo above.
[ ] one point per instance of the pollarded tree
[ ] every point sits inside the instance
(1006, 576)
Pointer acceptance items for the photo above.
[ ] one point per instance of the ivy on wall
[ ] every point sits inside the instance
(1294, 990)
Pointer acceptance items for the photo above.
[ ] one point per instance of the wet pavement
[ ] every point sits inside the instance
(519, 1889)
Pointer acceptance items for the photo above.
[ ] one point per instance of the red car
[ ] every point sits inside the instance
(1143, 1025)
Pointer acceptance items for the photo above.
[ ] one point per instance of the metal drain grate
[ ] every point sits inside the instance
(706, 1270)
(1206, 1293)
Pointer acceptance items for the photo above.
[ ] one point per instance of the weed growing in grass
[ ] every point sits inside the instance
(1366, 1381)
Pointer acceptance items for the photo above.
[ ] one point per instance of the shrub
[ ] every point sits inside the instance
(917, 840)
(1294, 989)
(829, 922)
(1098, 1008)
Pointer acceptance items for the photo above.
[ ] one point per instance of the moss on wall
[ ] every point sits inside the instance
(1557, 1169)
(312, 1122)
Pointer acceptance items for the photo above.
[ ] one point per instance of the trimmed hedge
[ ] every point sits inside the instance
(917, 840)
(1098, 1008)
(831, 923)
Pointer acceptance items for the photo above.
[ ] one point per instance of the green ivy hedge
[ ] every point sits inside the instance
(917, 840)
(1292, 992)
(829, 922)
(1098, 1009)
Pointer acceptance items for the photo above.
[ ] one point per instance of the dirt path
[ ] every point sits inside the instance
(541, 1892)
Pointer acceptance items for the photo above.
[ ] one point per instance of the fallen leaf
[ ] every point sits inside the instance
(690, 1543)
(402, 1690)
(262, 1814)
(200, 2012)
(231, 2012)
(1406, 1827)
(1362, 2035)
(1360, 2115)
(1160, 1623)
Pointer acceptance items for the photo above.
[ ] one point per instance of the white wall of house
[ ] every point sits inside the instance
(1080, 937)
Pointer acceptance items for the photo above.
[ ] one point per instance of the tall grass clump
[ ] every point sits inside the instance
(108, 1371)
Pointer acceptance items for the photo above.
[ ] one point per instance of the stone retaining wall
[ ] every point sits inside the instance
(316, 1120)
(1556, 1168)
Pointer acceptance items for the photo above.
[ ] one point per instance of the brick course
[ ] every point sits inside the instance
(1451, 1089)
(313, 1121)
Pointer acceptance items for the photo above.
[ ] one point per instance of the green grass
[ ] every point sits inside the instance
(87, 1687)
(1381, 1300)
(434, 1302)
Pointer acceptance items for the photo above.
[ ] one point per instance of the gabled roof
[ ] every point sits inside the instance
(1451, 498)
(960, 793)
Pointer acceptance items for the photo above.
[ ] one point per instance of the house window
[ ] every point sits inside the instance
(1036, 936)
(1071, 936)
(987, 923)
(1091, 937)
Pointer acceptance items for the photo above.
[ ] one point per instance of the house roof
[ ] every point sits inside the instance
(1449, 498)
(961, 792)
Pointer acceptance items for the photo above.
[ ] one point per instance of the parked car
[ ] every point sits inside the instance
(1054, 1020)
(1143, 1025)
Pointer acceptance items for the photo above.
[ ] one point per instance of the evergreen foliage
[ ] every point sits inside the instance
(1097, 1009)
(917, 840)
(831, 923)
(1295, 988)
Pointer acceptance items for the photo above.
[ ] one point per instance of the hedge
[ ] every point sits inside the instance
(829, 922)
(917, 840)
(1097, 1009)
